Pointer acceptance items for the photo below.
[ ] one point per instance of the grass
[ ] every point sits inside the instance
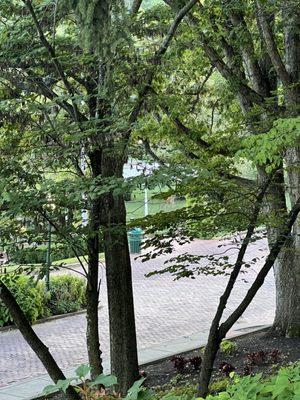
(66, 261)
(136, 207)
(74, 260)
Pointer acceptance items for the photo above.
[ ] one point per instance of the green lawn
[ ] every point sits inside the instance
(136, 208)
(74, 260)
(65, 261)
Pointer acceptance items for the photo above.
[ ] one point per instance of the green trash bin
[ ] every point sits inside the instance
(135, 237)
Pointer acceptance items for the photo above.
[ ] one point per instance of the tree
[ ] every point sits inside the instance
(68, 90)
(243, 43)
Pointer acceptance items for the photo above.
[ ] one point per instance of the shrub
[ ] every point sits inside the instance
(29, 295)
(67, 294)
(37, 254)
(257, 357)
(274, 356)
(219, 385)
(226, 368)
(228, 347)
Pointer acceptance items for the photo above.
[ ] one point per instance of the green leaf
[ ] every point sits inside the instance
(82, 371)
(135, 389)
(63, 384)
(105, 380)
(50, 389)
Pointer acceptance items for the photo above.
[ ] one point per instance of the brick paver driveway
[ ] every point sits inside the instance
(165, 310)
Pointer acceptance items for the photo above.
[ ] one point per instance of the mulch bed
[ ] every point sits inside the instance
(163, 373)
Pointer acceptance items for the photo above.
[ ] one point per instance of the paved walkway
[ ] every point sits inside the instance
(166, 310)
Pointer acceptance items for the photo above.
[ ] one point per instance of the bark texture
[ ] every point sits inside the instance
(92, 294)
(123, 345)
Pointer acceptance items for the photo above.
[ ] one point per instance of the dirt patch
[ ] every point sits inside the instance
(248, 353)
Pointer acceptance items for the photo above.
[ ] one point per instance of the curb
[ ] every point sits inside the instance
(256, 329)
(48, 319)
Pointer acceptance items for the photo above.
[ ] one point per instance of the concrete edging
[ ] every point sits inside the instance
(48, 319)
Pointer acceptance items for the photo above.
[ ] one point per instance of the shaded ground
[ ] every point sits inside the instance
(164, 372)
(163, 375)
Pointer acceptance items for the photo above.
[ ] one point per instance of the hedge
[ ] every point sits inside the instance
(37, 255)
(67, 294)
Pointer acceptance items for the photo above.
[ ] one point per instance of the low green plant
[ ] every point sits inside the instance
(96, 389)
(227, 347)
(219, 386)
(67, 294)
(188, 391)
(285, 385)
(30, 296)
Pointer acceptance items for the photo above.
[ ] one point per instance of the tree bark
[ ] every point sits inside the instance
(123, 344)
(33, 340)
(211, 350)
(286, 269)
(92, 293)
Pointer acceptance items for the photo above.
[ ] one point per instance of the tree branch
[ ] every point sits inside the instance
(247, 49)
(52, 54)
(275, 250)
(271, 45)
(152, 153)
(135, 7)
(240, 258)
(157, 59)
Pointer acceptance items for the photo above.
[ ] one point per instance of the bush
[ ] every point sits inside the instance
(37, 254)
(29, 295)
(67, 294)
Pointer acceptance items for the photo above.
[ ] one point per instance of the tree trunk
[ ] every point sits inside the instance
(287, 270)
(123, 345)
(33, 340)
(210, 353)
(287, 278)
(287, 267)
(92, 290)
(92, 293)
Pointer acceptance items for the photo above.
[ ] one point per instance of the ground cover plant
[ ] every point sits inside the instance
(283, 385)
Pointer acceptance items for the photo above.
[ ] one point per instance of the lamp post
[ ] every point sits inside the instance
(146, 201)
